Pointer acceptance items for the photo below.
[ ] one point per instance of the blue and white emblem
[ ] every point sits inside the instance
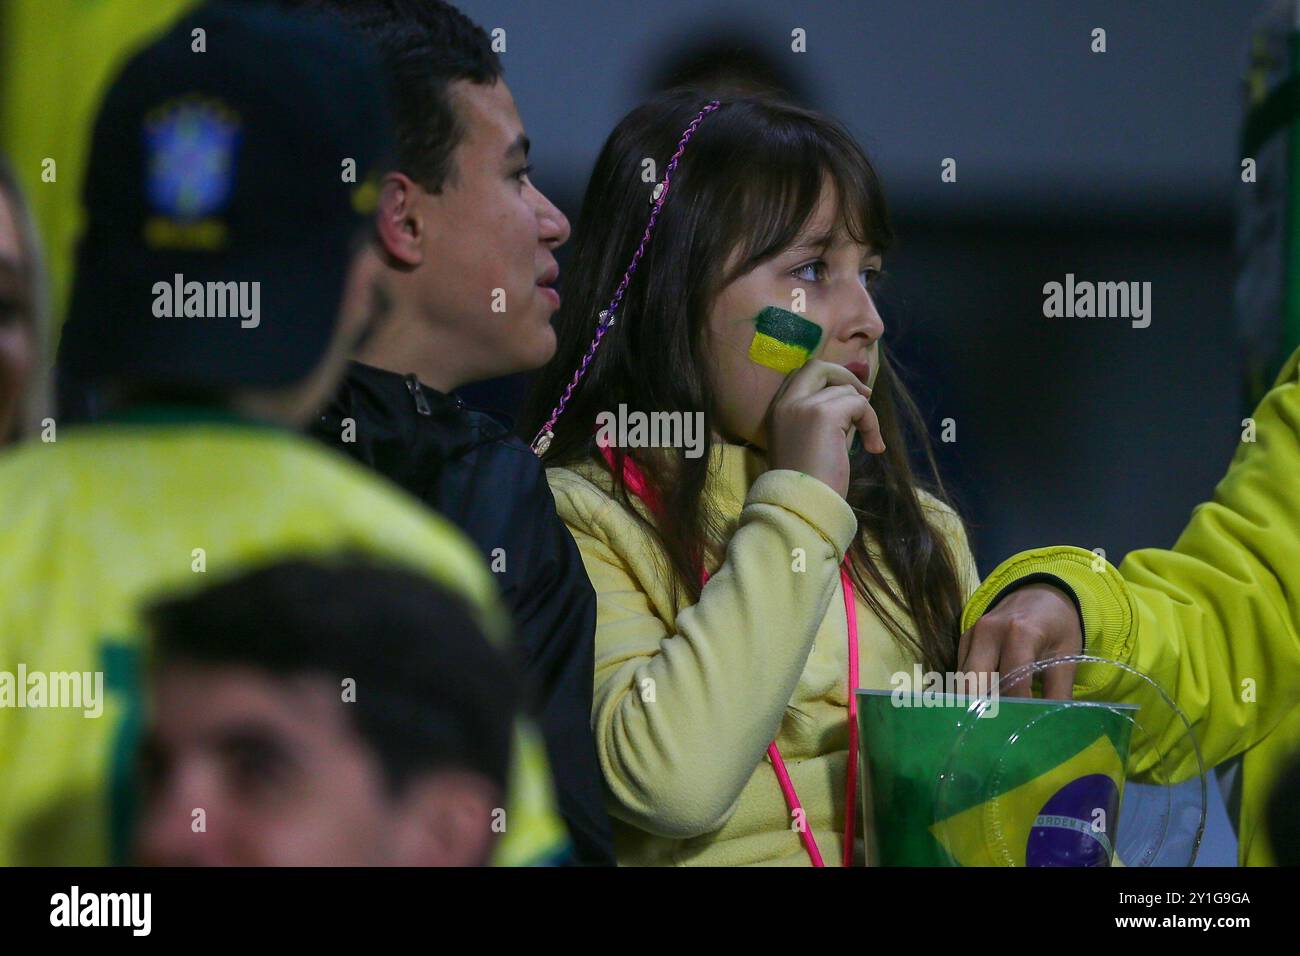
(191, 153)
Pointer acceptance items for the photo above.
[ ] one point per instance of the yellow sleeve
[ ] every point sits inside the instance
(1215, 620)
(684, 709)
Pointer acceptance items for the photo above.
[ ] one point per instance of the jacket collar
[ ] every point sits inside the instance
(407, 404)
(732, 470)
(404, 389)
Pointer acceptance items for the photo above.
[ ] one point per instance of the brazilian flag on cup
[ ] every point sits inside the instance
(1029, 783)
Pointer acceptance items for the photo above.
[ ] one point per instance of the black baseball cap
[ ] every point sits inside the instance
(233, 169)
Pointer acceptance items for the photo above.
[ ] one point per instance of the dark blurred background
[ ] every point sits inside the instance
(1115, 166)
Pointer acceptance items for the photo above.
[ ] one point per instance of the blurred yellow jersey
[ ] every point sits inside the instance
(96, 524)
(57, 59)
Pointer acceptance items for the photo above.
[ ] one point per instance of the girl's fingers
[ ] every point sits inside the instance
(854, 412)
(831, 393)
(815, 375)
(869, 428)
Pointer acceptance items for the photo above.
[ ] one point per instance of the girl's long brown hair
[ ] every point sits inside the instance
(748, 182)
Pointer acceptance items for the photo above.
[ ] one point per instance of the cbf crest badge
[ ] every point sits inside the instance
(191, 146)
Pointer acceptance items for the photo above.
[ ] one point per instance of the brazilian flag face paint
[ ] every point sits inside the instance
(782, 340)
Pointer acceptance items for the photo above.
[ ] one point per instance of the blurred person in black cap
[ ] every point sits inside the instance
(225, 271)
(285, 721)
(468, 241)
(212, 203)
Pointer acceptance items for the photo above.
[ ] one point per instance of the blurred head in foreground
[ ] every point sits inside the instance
(305, 714)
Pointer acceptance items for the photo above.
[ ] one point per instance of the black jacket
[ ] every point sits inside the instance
(470, 467)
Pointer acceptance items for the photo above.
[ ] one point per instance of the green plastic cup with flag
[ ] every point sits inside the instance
(951, 781)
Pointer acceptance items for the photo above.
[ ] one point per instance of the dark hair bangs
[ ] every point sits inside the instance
(775, 200)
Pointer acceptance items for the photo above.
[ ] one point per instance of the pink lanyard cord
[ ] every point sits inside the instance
(635, 481)
(851, 765)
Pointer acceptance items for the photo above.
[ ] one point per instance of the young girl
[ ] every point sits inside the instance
(733, 584)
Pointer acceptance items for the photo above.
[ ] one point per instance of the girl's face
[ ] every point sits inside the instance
(833, 273)
(17, 346)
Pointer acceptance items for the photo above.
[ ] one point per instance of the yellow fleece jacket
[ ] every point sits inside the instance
(1215, 620)
(684, 708)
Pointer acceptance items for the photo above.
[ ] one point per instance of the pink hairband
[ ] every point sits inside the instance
(606, 320)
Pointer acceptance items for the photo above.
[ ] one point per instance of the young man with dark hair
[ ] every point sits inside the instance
(199, 283)
(468, 241)
(317, 719)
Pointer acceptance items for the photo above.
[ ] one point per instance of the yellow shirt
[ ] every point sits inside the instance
(684, 708)
(107, 518)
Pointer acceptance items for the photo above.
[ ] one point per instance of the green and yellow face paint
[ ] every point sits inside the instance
(782, 340)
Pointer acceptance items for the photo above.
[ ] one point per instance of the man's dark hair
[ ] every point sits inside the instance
(425, 46)
(431, 692)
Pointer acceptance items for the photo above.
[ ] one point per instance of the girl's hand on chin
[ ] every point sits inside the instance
(811, 421)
